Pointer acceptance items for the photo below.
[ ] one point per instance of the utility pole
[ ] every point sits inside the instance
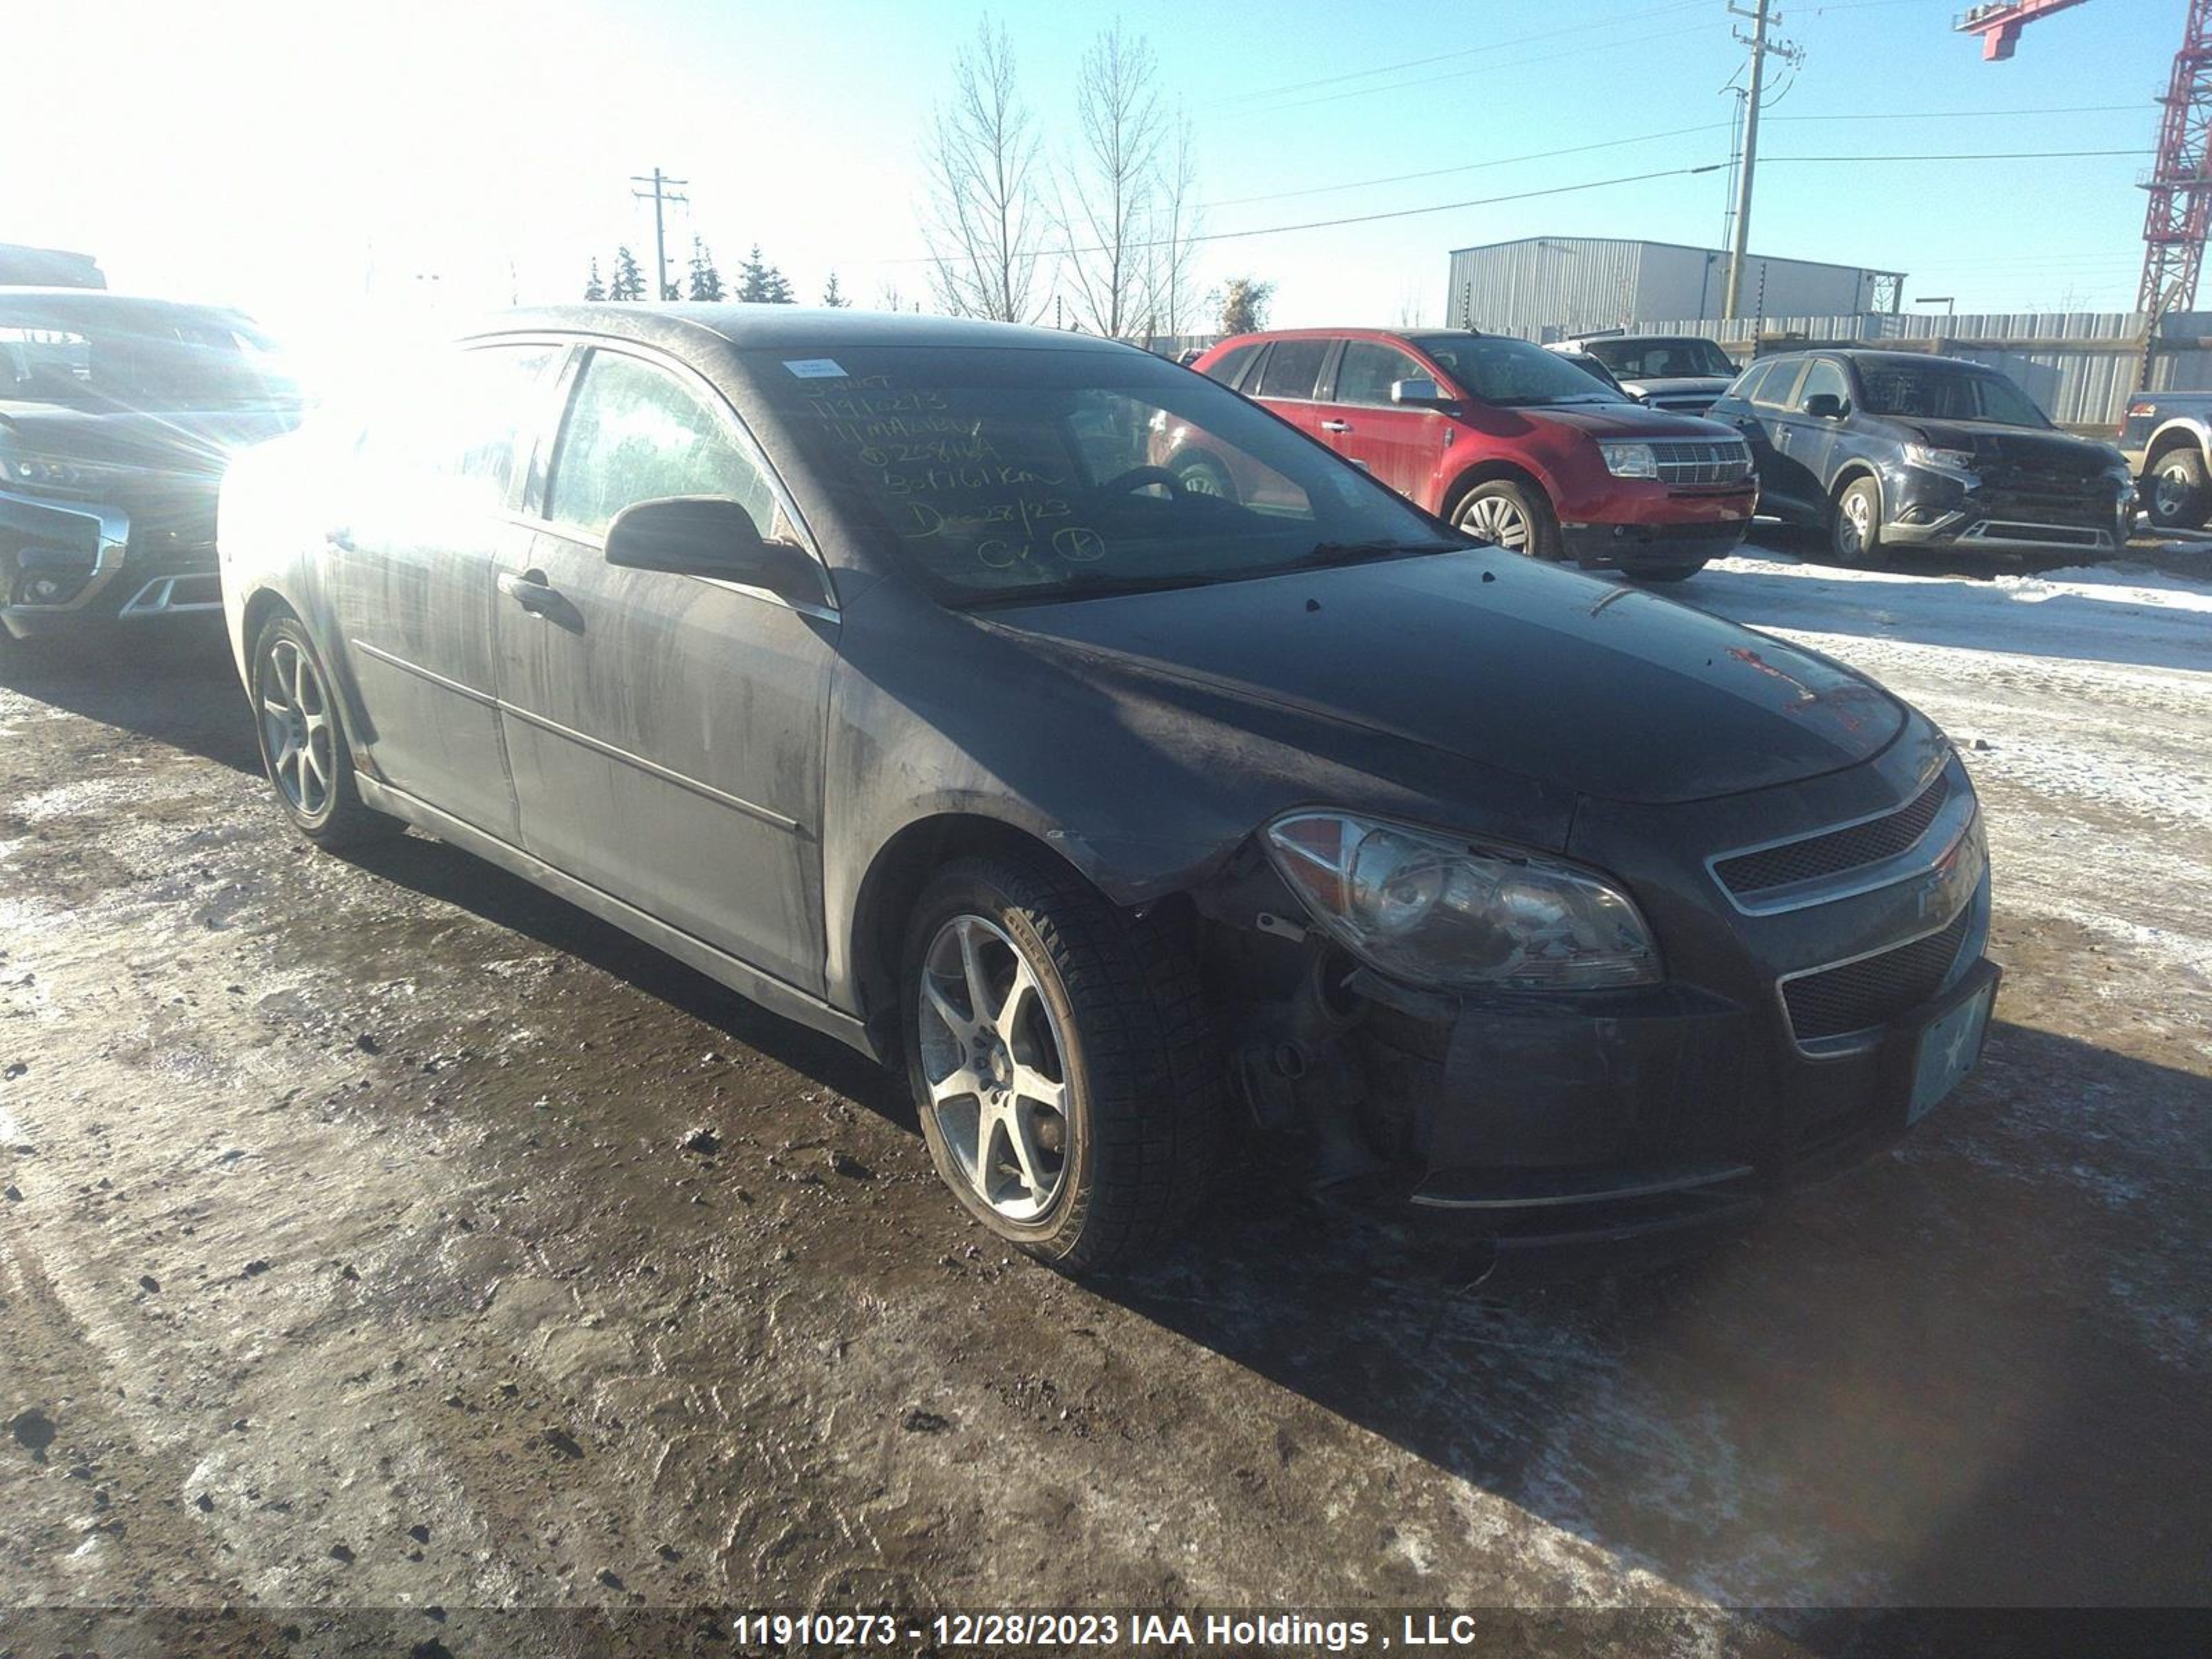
(663, 191)
(1760, 16)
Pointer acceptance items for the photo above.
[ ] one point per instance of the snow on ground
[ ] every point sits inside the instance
(2082, 701)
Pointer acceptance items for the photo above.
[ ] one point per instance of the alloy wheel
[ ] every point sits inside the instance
(2171, 492)
(994, 1059)
(295, 723)
(1495, 519)
(1855, 530)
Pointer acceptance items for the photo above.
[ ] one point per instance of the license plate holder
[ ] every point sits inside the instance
(1949, 1049)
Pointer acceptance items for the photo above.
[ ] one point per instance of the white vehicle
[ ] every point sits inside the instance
(1682, 373)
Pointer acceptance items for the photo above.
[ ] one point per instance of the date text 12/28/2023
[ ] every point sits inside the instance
(1064, 1630)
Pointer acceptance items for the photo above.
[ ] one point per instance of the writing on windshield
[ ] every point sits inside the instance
(1005, 472)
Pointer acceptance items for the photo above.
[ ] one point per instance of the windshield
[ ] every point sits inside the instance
(1516, 373)
(1943, 391)
(1661, 359)
(142, 357)
(1014, 473)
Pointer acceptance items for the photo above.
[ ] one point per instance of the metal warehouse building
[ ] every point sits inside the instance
(1545, 288)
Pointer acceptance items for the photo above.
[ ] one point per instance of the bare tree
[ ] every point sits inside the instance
(1107, 203)
(986, 223)
(1177, 218)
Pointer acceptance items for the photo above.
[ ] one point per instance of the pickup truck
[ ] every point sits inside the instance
(2167, 440)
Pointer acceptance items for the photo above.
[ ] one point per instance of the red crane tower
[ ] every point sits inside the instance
(2180, 180)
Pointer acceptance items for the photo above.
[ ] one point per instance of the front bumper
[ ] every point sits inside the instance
(1633, 546)
(1786, 1045)
(1625, 523)
(70, 566)
(1926, 507)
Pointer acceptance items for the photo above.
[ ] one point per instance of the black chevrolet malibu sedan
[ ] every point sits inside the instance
(875, 666)
(1890, 451)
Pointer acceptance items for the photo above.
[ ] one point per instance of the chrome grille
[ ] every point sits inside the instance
(1858, 995)
(1836, 851)
(1694, 461)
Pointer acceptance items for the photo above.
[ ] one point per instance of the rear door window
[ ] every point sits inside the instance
(1293, 368)
(1774, 392)
(456, 438)
(1232, 365)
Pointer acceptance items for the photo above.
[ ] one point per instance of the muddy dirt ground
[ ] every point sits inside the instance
(378, 1233)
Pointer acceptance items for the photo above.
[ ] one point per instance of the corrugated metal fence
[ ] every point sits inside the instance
(2080, 365)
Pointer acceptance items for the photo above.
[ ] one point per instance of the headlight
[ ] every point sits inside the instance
(1942, 460)
(1426, 907)
(1629, 460)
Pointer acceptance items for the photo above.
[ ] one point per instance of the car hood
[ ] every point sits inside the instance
(184, 440)
(1585, 685)
(1627, 420)
(2054, 454)
(1680, 385)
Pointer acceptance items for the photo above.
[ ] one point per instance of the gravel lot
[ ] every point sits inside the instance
(358, 1249)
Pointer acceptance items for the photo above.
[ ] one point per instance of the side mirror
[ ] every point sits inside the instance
(1419, 394)
(709, 536)
(1825, 406)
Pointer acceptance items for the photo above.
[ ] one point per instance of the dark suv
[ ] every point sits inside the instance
(1891, 449)
(117, 416)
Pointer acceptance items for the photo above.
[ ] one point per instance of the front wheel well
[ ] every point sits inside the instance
(894, 880)
(1483, 472)
(263, 608)
(2173, 438)
(1850, 474)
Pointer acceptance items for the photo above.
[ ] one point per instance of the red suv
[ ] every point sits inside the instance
(1511, 442)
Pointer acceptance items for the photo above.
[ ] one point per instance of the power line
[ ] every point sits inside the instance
(1977, 155)
(1469, 166)
(1464, 52)
(1648, 137)
(1965, 114)
(1356, 218)
(1457, 74)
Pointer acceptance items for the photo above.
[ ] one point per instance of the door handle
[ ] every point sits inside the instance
(1336, 426)
(531, 591)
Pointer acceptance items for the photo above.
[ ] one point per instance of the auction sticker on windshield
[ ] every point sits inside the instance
(815, 368)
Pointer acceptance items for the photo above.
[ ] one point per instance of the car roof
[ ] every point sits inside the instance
(675, 325)
(1876, 359)
(1398, 336)
(91, 303)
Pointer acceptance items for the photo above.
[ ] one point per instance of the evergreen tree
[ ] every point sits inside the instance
(595, 290)
(629, 281)
(832, 295)
(762, 284)
(705, 280)
(1243, 301)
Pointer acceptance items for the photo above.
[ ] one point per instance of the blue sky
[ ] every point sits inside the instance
(303, 160)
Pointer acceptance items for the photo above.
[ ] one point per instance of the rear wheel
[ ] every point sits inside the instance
(1201, 475)
(1061, 1059)
(1511, 515)
(2180, 496)
(303, 745)
(1855, 524)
